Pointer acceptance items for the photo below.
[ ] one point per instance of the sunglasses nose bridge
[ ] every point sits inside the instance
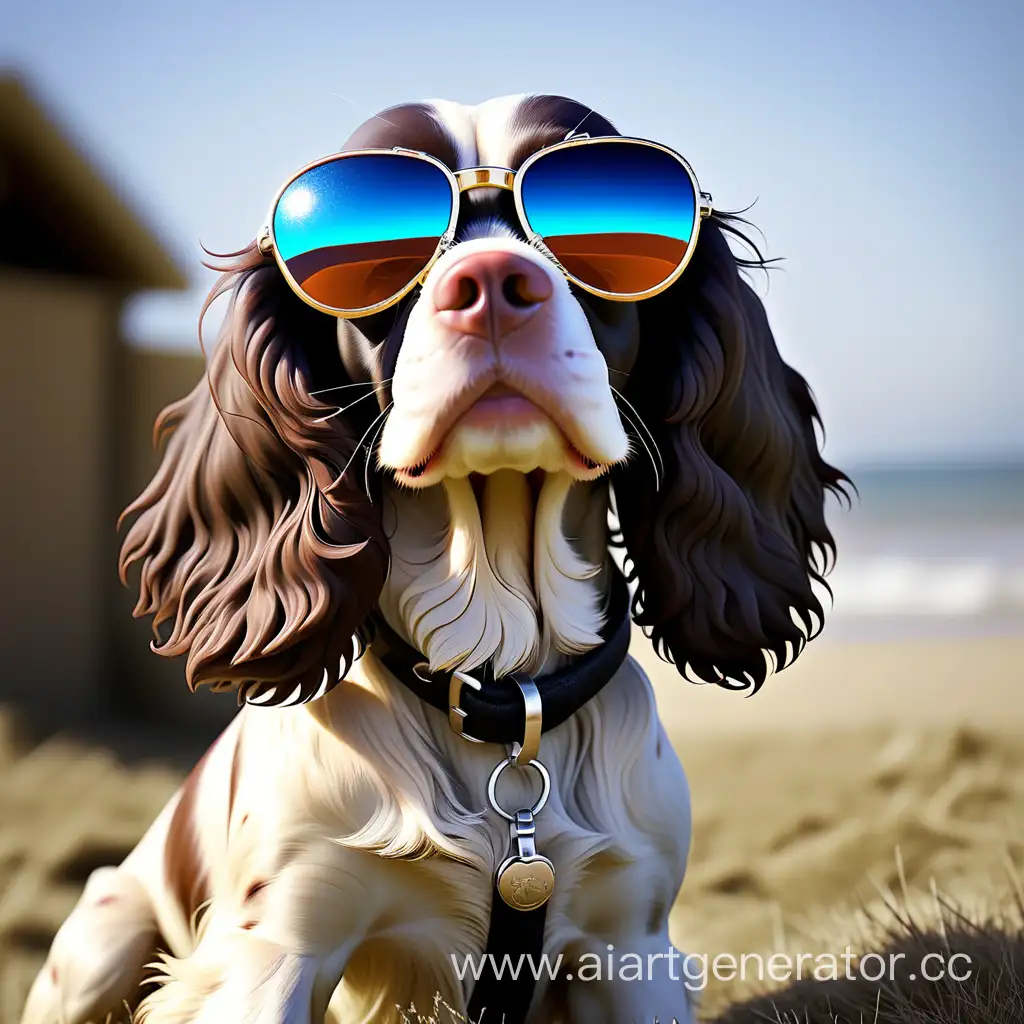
(485, 177)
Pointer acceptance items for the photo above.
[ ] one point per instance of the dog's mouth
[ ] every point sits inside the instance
(422, 469)
(501, 429)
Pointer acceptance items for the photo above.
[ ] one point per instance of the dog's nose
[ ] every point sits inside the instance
(491, 294)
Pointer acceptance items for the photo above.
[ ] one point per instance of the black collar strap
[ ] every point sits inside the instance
(495, 712)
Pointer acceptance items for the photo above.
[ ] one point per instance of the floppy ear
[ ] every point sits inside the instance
(258, 549)
(724, 552)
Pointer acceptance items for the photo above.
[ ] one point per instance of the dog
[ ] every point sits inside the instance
(445, 468)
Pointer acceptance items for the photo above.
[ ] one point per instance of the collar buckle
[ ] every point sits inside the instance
(456, 716)
(524, 750)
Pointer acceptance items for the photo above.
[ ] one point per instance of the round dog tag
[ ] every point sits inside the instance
(526, 883)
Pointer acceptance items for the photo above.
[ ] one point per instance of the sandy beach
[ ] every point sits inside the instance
(807, 796)
(801, 797)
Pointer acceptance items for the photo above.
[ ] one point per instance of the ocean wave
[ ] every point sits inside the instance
(899, 585)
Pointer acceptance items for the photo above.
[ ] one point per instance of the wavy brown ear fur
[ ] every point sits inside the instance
(724, 552)
(262, 554)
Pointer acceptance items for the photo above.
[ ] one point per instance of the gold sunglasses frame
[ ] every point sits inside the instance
(487, 177)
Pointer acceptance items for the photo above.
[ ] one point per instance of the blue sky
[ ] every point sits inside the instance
(880, 140)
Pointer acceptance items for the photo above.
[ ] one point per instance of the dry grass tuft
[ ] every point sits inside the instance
(992, 940)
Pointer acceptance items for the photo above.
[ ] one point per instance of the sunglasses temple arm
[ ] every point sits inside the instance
(706, 205)
(264, 242)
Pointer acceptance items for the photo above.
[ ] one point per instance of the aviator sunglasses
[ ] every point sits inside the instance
(355, 232)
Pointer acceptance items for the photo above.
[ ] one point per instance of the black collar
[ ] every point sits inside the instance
(495, 713)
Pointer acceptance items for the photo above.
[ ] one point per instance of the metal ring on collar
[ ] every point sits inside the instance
(492, 787)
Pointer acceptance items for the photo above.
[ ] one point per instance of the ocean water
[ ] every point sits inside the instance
(929, 550)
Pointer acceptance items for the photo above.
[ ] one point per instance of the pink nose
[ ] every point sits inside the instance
(491, 294)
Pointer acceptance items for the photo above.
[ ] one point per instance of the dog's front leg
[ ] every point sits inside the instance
(98, 955)
(244, 978)
(280, 962)
(653, 984)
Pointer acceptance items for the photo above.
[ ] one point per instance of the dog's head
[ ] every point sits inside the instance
(294, 474)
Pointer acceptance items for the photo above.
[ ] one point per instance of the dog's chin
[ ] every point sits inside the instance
(502, 433)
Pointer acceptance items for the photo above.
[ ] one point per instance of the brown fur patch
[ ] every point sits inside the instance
(544, 120)
(411, 125)
(184, 866)
(236, 767)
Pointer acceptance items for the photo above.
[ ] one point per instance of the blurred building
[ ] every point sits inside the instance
(76, 413)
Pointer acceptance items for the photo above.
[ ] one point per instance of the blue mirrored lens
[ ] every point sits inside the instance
(618, 215)
(356, 230)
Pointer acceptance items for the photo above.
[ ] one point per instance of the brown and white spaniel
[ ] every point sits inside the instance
(448, 466)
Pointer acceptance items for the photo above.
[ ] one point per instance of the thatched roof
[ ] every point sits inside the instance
(57, 214)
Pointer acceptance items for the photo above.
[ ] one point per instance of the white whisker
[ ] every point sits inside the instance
(342, 387)
(654, 465)
(369, 458)
(359, 106)
(359, 444)
(640, 423)
(345, 408)
(585, 116)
